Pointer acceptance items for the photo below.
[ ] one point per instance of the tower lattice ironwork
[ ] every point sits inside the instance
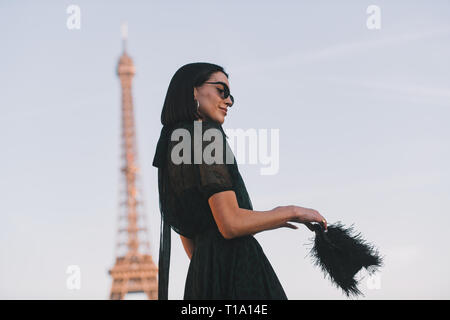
(134, 270)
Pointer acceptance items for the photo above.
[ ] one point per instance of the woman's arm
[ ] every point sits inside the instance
(233, 221)
(188, 245)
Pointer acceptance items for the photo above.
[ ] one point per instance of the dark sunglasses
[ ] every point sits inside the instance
(225, 93)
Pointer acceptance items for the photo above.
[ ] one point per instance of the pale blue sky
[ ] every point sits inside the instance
(363, 119)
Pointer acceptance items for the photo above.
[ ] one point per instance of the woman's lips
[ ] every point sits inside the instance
(224, 111)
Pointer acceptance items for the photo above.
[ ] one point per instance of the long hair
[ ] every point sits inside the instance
(179, 104)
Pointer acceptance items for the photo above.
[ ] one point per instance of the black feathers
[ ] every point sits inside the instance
(340, 254)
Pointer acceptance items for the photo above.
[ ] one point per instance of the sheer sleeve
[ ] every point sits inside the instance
(195, 180)
(200, 178)
(214, 178)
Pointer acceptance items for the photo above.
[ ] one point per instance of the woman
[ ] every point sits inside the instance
(208, 204)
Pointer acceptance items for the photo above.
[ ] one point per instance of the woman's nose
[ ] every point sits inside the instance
(229, 101)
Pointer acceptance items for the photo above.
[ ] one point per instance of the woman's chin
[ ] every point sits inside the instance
(217, 117)
(220, 118)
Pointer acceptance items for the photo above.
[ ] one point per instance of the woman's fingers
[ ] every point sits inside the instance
(308, 216)
(290, 225)
(320, 219)
(323, 222)
(309, 225)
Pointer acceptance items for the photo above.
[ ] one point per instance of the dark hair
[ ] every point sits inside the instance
(179, 104)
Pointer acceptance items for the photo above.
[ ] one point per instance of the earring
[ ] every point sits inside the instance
(198, 105)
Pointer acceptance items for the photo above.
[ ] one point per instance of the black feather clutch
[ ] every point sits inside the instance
(341, 254)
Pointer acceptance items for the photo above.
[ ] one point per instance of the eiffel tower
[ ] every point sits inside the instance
(134, 270)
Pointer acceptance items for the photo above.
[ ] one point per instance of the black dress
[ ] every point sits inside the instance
(219, 268)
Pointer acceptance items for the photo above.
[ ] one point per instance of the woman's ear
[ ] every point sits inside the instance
(195, 93)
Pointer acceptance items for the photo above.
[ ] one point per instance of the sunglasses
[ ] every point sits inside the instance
(225, 93)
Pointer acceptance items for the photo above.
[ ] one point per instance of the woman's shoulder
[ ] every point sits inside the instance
(197, 136)
(168, 140)
(196, 126)
(194, 123)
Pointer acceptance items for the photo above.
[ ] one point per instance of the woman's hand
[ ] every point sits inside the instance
(307, 215)
(303, 215)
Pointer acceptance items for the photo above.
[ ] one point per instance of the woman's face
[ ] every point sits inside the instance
(212, 105)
